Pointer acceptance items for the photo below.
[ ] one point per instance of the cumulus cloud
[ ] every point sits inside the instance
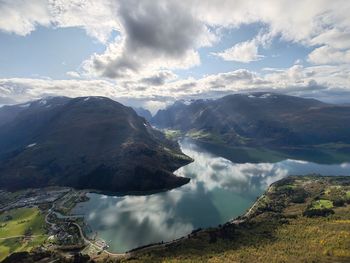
(159, 79)
(96, 17)
(317, 21)
(73, 74)
(298, 21)
(242, 52)
(335, 38)
(21, 17)
(166, 34)
(21, 89)
(329, 55)
(329, 83)
(154, 37)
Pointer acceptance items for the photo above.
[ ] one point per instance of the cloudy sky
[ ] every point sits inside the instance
(151, 53)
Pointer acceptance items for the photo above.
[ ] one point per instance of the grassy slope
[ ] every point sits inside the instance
(23, 219)
(172, 134)
(275, 229)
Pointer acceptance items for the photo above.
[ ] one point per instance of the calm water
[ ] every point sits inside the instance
(219, 191)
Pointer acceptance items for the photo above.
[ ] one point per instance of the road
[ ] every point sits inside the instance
(117, 255)
(86, 240)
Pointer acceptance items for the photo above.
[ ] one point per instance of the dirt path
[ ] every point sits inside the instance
(4, 238)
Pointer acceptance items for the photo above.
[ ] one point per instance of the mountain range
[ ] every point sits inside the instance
(143, 113)
(86, 142)
(97, 143)
(259, 119)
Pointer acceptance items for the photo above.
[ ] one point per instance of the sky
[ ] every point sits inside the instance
(150, 53)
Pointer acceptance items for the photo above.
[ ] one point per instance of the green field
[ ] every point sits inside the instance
(172, 134)
(206, 136)
(321, 204)
(21, 230)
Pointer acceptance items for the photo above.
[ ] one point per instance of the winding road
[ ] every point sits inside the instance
(86, 240)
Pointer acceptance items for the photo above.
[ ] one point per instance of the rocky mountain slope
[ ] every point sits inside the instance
(87, 142)
(259, 119)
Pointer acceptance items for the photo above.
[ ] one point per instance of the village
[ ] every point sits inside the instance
(43, 217)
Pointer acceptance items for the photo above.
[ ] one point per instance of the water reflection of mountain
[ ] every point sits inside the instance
(218, 191)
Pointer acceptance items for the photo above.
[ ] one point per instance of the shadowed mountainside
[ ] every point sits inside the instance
(143, 113)
(259, 119)
(87, 142)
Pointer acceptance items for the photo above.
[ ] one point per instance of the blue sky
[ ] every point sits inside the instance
(46, 52)
(150, 53)
(280, 54)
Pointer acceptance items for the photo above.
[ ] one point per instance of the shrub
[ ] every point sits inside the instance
(318, 212)
(338, 202)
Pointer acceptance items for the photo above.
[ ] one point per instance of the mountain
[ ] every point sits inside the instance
(87, 142)
(259, 119)
(143, 113)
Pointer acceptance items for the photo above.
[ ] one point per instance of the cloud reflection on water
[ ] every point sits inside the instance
(218, 191)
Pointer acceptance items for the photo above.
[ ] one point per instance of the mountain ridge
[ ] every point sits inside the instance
(259, 119)
(85, 142)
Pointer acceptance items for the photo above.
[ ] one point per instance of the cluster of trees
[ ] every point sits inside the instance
(318, 212)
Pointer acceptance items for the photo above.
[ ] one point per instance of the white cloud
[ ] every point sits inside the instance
(98, 18)
(157, 37)
(298, 21)
(73, 74)
(20, 89)
(335, 38)
(311, 21)
(242, 52)
(167, 34)
(329, 55)
(21, 17)
(329, 83)
(120, 61)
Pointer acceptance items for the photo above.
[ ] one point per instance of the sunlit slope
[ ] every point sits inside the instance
(21, 230)
(287, 224)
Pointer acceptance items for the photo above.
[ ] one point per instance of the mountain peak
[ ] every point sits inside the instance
(259, 118)
(85, 142)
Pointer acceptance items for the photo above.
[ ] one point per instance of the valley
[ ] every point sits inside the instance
(288, 125)
(174, 131)
(108, 226)
(167, 193)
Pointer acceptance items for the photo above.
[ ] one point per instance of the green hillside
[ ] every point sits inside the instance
(298, 219)
(21, 230)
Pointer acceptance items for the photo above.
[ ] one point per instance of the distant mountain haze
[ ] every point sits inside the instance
(86, 142)
(143, 113)
(259, 119)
